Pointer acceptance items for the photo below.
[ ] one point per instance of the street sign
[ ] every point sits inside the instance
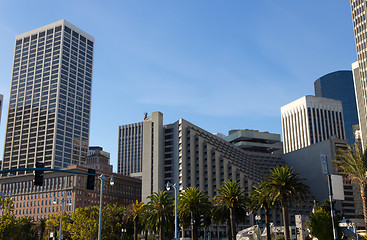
(324, 167)
(338, 187)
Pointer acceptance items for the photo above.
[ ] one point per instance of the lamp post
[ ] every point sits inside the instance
(123, 233)
(168, 187)
(258, 218)
(102, 177)
(62, 209)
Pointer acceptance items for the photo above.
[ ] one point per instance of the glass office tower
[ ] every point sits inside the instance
(50, 98)
(339, 85)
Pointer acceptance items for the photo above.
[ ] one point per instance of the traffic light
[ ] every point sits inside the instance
(91, 179)
(38, 174)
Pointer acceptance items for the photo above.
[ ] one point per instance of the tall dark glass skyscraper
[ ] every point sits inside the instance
(339, 85)
(50, 98)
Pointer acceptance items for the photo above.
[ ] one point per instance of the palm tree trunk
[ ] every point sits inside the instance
(233, 230)
(267, 223)
(135, 229)
(285, 219)
(229, 229)
(194, 235)
(161, 233)
(363, 187)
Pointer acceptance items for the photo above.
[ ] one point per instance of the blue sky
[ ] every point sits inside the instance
(221, 65)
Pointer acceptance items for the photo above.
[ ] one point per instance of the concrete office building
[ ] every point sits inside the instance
(362, 124)
(98, 159)
(185, 154)
(306, 161)
(50, 98)
(309, 120)
(37, 202)
(130, 149)
(339, 85)
(1, 105)
(360, 68)
(255, 141)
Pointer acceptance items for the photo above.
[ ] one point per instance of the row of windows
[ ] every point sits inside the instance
(76, 35)
(28, 186)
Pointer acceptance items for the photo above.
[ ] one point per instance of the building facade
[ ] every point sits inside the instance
(362, 124)
(1, 105)
(255, 141)
(98, 159)
(50, 98)
(130, 149)
(360, 34)
(185, 154)
(339, 85)
(306, 162)
(37, 201)
(309, 120)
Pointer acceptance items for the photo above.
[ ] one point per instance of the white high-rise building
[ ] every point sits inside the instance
(50, 98)
(1, 105)
(360, 79)
(309, 120)
(130, 149)
(361, 133)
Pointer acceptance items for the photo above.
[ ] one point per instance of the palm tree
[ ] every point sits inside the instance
(25, 227)
(133, 213)
(286, 187)
(353, 163)
(40, 227)
(232, 196)
(260, 198)
(193, 203)
(159, 214)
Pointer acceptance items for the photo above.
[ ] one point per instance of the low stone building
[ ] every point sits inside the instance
(38, 201)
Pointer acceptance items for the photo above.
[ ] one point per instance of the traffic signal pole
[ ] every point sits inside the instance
(39, 173)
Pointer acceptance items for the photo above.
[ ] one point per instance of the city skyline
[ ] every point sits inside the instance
(222, 66)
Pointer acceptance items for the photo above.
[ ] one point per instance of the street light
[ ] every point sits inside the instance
(62, 209)
(102, 177)
(258, 218)
(168, 187)
(123, 233)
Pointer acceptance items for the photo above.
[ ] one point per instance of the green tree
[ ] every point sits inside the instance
(353, 163)
(193, 204)
(84, 223)
(159, 213)
(53, 224)
(232, 196)
(260, 198)
(134, 213)
(286, 187)
(6, 204)
(25, 228)
(320, 223)
(112, 221)
(8, 226)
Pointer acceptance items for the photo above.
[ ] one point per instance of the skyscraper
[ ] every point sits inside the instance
(130, 149)
(309, 120)
(50, 98)
(1, 105)
(360, 33)
(339, 85)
